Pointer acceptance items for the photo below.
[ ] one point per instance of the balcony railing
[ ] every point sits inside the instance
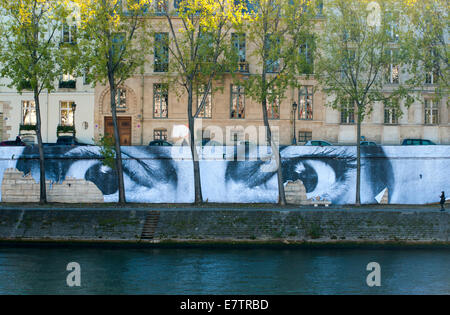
(244, 67)
(71, 84)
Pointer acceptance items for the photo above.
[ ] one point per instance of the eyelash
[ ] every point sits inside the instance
(249, 171)
(340, 163)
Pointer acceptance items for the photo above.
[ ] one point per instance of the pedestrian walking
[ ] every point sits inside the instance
(442, 201)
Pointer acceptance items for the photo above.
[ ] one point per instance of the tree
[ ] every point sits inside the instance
(32, 56)
(198, 48)
(358, 62)
(113, 44)
(279, 31)
(427, 42)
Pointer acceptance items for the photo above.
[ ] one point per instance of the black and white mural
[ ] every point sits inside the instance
(412, 175)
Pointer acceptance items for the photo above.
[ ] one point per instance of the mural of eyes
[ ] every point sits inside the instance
(326, 172)
(145, 168)
(161, 174)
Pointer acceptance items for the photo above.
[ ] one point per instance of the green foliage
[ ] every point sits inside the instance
(65, 129)
(113, 40)
(281, 35)
(426, 42)
(106, 144)
(27, 127)
(30, 54)
(199, 46)
(359, 45)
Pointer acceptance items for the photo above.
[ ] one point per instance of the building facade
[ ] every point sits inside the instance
(149, 109)
(58, 114)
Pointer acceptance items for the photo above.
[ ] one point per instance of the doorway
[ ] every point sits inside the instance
(124, 125)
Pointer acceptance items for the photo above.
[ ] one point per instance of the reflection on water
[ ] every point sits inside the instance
(206, 271)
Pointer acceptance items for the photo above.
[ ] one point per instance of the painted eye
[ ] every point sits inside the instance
(317, 177)
(301, 171)
(103, 177)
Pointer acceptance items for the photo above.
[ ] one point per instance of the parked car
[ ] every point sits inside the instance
(210, 143)
(13, 143)
(160, 143)
(368, 143)
(68, 140)
(417, 142)
(318, 143)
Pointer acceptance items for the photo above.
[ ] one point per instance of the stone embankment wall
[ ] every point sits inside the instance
(323, 226)
(16, 187)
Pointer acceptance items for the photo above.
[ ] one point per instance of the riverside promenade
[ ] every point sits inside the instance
(224, 224)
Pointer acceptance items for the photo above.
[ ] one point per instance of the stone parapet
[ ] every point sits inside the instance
(16, 187)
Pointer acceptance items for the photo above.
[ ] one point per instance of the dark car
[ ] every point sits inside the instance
(68, 140)
(13, 143)
(318, 143)
(417, 142)
(210, 143)
(160, 143)
(368, 143)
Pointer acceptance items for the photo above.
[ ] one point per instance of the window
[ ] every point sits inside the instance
(118, 44)
(238, 42)
(69, 33)
(305, 101)
(67, 81)
(348, 64)
(161, 52)
(28, 113)
(306, 53)
(348, 113)
(237, 102)
(392, 73)
(143, 8)
(273, 48)
(160, 7)
(431, 112)
(320, 8)
(304, 136)
(206, 112)
(160, 134)
(66, 113)
(432, 77)
(86, 79)
(393, 27)
(273, 105)
(121, 99)
(160, 100)
(390, 116)
(351, 32)
(433, 68)
(206, 50)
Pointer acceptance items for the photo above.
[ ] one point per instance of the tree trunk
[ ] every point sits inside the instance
(195, 160)
(276, 154)
(358, 161)
(119, 166)
(275, 150)
(42, 182)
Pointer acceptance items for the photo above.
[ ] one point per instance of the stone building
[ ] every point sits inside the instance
(149, 110)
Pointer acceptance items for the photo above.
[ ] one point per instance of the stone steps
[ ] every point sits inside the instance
(150, 225)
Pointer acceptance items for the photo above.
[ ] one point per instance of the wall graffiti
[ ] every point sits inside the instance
(411, 175)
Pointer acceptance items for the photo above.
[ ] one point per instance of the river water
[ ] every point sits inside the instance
(223, 271)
